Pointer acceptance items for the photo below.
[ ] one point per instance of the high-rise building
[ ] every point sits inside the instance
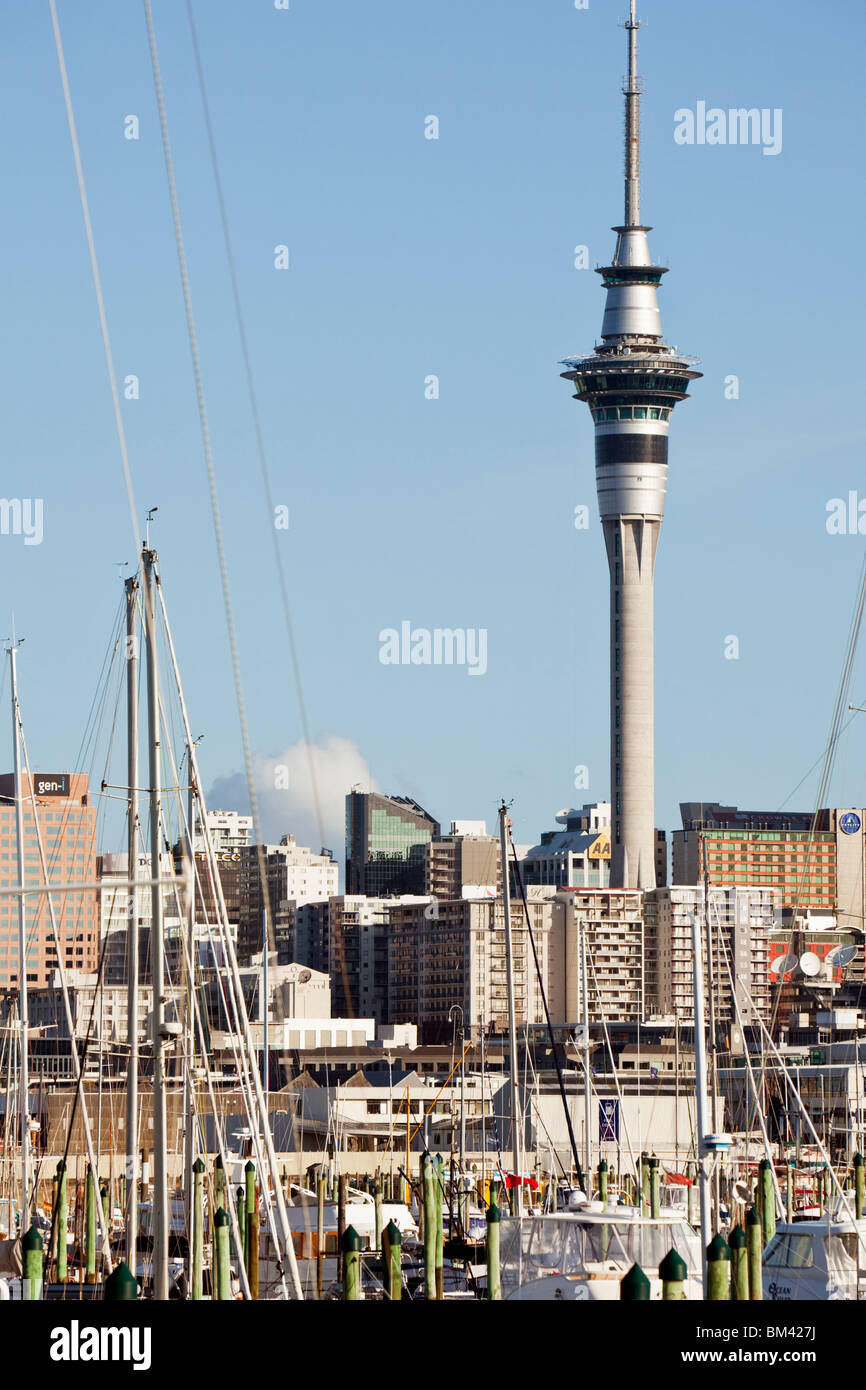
(578, 856)
(442, 954)
(228, 831)
(67, 822)
(612, 921)
(357, 928)
(741, 925)
(815, 861)
(381, 834)
(294, 875)
(631, 382)
(463, 864)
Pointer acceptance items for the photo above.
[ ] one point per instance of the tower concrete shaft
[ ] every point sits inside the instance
(631, 382)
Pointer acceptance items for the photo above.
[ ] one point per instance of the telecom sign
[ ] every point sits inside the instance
(849, 823)
(608, 1121)
(51, 783)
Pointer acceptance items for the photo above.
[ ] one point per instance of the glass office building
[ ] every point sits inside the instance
(385, 840)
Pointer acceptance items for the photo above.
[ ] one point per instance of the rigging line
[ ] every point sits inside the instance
(211, 475)
(73, 1046)
(613, 1069)
(849, 1214)
(94, 266)
(556, 1057)
(257, 424)
(829, 760)
(820, 758)
(187, 965)
(757, 1110)
(231, 957)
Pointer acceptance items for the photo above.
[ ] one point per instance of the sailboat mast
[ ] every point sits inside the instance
(587, 1138)
(512, 1023)
(160, 1185)
(188, 1095)
(132, 925)
(24, 1062)
(701, 1087)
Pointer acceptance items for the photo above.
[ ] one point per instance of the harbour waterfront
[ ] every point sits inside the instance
(486, 1071)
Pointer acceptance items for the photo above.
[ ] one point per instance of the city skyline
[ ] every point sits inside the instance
(458, 511)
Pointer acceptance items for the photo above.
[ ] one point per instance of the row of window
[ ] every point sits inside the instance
(631, 412)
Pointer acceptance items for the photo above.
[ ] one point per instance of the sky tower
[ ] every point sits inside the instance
(631, 382)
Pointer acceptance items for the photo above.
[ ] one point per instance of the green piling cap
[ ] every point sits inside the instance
(392, 1231)
(61, 1166)
(218, 1163)
(737, 1238)
(32, 1240)
(653, 1162)
(350, 1241)
(718, 1249)
(249, 1166)
(121, 1286)
(634, 1287)
(858, 1160)
(493, 1213)
(765, 1165)
(673, 1268)
(221, 1218)
(602, 1167)
(198, 1166)
(752, 1217)
(242, 1192)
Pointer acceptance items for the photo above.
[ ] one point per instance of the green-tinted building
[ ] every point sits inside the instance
(385, 841)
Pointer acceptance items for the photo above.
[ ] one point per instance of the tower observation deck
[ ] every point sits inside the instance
(631, 383)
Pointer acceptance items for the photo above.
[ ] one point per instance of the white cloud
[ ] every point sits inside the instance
(284, 791)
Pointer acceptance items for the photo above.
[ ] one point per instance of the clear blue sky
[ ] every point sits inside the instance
(453, 257)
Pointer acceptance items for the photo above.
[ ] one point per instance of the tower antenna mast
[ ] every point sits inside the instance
(632, 91)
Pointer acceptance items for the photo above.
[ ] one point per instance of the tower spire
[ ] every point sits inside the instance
(631, 383)
(632, 91)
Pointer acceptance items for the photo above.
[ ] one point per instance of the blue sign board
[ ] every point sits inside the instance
(608, 1121)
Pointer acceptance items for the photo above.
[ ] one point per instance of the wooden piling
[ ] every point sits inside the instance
(392, 1258)
(439, 1188)
(634, 1287)
(673, 1274)
(738, 1241)
(198, 1172)
(221, 1260)
(429, 1230)
(31, 1251)
(718, 1288)
(121, 1286)
(350, 1247)
(753, 1242)
(768, 1200)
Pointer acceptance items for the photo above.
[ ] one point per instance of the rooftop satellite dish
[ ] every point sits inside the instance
(742, 1192)
(840, 956)
(780, 965)
(810, 964)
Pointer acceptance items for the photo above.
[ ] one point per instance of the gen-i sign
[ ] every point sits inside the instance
(51, 783)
